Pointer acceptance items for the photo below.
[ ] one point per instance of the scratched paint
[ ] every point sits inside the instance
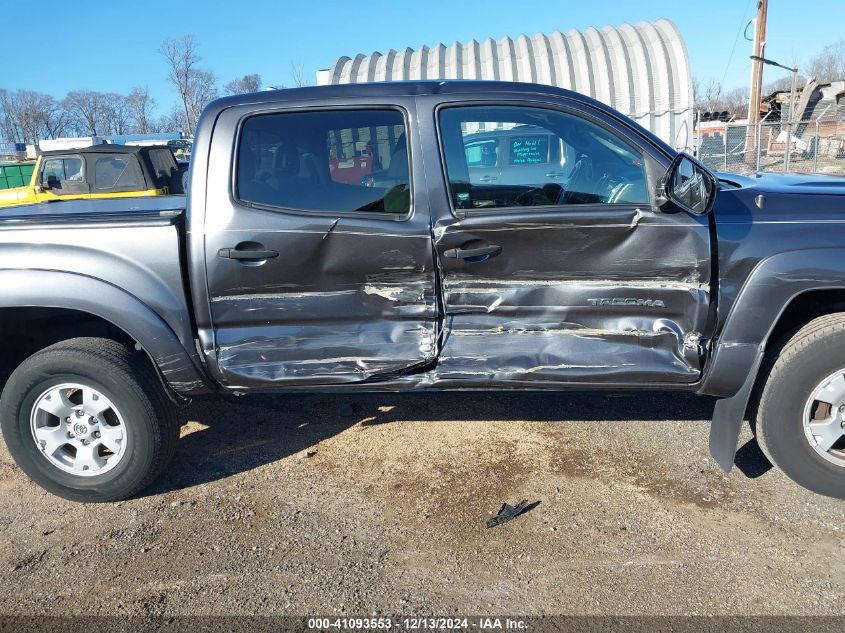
(307, 354)
(575, 303)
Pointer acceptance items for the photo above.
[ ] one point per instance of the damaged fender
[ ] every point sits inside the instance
(734, 366)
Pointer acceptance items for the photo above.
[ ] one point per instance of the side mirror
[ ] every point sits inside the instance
(689, 185)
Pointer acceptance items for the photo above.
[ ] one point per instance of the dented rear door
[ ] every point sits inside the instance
(312, 280)
(587, 288)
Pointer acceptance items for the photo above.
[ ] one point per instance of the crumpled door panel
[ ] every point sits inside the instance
(338, 307)
(598, 296)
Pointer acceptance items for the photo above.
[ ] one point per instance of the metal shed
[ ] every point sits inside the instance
(641, 70)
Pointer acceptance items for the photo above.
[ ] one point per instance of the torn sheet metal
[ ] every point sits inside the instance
(508, 512)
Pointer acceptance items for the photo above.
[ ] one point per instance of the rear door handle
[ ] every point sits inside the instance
(555, 174)
(476, 254)
(234, 253)
(487, 178)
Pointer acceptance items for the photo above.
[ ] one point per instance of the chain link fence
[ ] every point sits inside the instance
(812, 145)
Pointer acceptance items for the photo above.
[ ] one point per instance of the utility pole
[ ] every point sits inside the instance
(756, 79)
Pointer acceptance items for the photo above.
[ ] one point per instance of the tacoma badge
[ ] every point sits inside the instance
(626, 301)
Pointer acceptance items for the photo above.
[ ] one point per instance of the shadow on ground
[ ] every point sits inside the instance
(230, 435)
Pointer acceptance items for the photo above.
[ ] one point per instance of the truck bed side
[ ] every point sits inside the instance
(119, 260)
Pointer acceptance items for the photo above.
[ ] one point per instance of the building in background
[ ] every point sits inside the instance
(78, 142)
(641, 70)
(816, 142)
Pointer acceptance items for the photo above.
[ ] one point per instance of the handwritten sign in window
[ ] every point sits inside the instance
(529, 150)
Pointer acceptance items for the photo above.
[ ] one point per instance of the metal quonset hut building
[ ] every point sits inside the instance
(641, 70)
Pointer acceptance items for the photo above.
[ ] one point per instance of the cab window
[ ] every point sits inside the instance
(552, 159)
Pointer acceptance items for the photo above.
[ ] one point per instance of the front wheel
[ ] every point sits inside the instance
(800, 416)
(87, 419)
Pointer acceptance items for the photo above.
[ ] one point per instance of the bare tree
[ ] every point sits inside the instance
(298, 76)
(141, 108)
(203, 90)
(195, 87)
(247, 83)
(117, 116)
(31, 115)
(9, 129)
(783, 83)
(707, 96)
(181, 57)
(829, 65)
(710, 97)
(87, 111)
(174, 122)
(735, 101)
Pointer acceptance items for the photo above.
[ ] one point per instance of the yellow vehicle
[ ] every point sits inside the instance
(100, 171)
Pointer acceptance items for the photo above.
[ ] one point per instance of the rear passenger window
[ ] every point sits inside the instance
(326, 161)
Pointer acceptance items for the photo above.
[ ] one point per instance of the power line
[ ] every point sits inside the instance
(736, 40)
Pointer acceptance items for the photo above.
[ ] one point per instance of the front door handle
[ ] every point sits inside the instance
(246, 254)
(487, 178)
(475, 253)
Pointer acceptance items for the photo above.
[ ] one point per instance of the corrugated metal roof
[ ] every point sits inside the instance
(641, 70)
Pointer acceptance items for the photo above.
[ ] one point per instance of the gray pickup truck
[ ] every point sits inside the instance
(286, 268)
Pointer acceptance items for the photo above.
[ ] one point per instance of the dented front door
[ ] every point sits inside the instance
(315, 277)
(596, 287)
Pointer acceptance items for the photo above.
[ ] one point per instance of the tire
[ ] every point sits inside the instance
(141, 424)
(797, 368)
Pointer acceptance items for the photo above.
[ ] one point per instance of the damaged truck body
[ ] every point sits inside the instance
(422, 236)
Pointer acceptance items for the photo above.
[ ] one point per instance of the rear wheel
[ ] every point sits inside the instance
(800, 415)
(87, 419)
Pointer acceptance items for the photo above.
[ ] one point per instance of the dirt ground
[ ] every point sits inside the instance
(374, 504)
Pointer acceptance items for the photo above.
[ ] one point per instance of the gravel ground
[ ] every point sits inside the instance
(376, 504)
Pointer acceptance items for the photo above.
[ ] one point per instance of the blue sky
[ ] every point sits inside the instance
(112, 45)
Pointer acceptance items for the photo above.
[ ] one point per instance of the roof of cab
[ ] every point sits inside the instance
(450, 87)
(109, 148)
(398, 88)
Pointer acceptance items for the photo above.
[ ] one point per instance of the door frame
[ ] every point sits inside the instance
(444, 213)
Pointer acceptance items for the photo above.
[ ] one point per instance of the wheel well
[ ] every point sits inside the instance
(803, 309)
(27, 330)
